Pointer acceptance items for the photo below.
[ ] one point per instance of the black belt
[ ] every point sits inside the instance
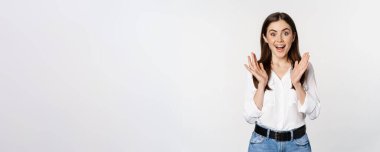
(282, 135)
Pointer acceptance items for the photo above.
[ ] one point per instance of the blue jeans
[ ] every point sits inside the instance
(259, 143)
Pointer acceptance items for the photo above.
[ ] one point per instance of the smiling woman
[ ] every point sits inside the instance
(284, 90)
(280, 36)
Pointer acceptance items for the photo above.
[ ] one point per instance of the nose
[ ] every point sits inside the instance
(279, 38)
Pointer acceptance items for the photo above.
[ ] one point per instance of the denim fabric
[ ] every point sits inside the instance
(260, 143)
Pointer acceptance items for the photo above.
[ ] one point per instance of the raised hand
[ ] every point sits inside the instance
(257, 70)
(300, 68)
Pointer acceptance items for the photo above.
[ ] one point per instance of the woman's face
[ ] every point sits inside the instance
(279, 37)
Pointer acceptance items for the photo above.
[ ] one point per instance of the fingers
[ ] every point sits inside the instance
(304, 68)
(255, 59)
(305, 61)
(251, 63)
(246, 66)
(301, 66)
(253, 72)
(262, 66)
(249, 68)
(305, 58)
(256, 69)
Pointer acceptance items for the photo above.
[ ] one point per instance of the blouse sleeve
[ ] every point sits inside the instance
(311, 106)
(251, 112)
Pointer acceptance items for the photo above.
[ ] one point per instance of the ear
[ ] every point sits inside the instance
(265, 39)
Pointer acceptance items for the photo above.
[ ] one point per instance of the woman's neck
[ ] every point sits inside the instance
(280, 62)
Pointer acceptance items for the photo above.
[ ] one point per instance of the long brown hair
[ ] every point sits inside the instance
(266, 54)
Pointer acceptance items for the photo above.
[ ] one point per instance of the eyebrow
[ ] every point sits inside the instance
(282, 30)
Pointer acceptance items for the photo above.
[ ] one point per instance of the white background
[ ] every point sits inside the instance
(168, 76)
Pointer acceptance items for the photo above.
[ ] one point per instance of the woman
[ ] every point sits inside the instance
(283, 91)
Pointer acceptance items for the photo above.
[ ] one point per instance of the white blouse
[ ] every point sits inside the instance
(281, 108)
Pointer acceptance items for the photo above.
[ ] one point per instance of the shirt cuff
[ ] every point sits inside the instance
(308, 105)
(255, 109)
(252, 112)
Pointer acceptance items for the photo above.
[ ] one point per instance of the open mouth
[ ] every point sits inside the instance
(280, 47)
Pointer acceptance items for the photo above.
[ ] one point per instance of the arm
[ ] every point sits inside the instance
(310, 104)
(254, 100)
(258, 98)
(308, 101)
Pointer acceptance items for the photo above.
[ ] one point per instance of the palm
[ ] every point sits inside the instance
(300, 68)
(257, 70)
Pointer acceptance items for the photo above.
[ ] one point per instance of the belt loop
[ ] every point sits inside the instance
(291, 134)
(268, 132)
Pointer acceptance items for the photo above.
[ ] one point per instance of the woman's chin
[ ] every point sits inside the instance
(280, 54)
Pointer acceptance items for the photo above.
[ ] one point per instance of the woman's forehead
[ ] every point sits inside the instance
(279, 25)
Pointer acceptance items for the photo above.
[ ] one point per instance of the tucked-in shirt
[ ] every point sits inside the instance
(282, 110)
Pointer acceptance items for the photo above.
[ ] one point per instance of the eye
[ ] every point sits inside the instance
(272, 34)
(286, 33)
